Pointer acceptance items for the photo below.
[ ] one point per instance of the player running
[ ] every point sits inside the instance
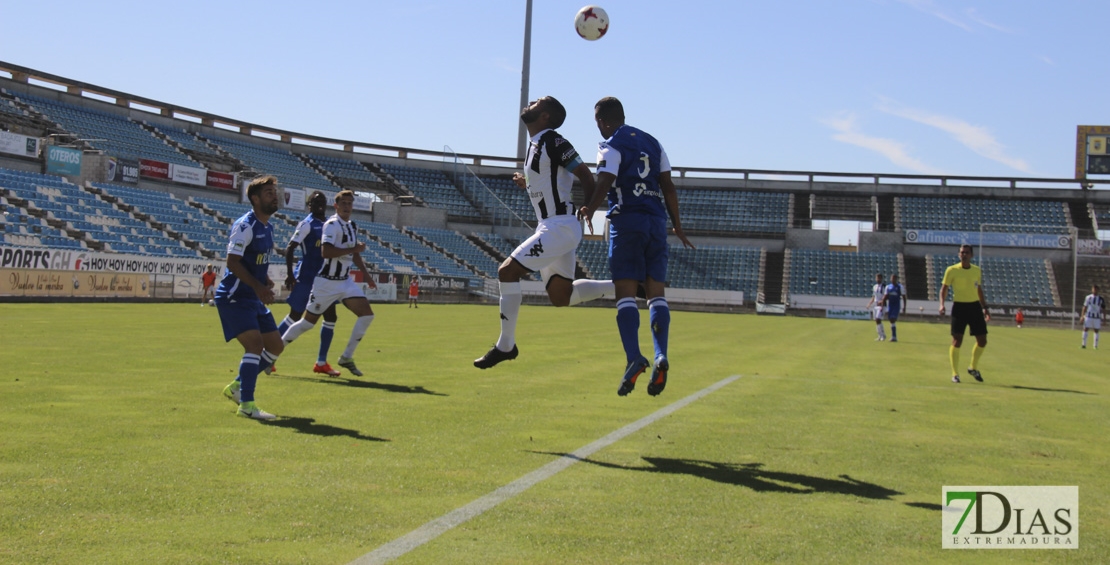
(895, 302)
(245, 290)
(875, 305)
(1093, 308)
(299, 279)
(340, 249)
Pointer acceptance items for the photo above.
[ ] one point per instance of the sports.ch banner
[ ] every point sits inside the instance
(989, 239)
(42, 258)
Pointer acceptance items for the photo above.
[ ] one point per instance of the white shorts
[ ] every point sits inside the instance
(877, 313)
(551, 249)
(1092, 323)
(326, 292)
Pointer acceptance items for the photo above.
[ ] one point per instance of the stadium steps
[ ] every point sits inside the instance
(217, 163)
(1051, 272)
(395, 188)
(489, 249)
(442, 251)
(916, 278)
(1063, 280)
(887, 222)
(771, 280)
(1086, 275)
(1081, 216)
(801, 207)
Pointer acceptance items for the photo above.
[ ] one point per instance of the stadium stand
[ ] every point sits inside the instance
(434, 189)
(463, 249)
(114, 134)
(966, 214)
(831, 273)
(1010, 280)
(290, 170)
(732, 212)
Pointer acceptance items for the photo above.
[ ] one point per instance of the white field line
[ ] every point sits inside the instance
(441, 525)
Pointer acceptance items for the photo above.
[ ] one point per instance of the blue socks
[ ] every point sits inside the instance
(327, 331)
(660, 315)
(248, 376)
(628, 323)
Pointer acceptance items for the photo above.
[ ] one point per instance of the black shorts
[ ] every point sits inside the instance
(965, 314)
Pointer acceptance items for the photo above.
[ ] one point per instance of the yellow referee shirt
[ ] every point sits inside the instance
(964, 283)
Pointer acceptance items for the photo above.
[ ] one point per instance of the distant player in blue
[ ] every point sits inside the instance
(635, 174)
(896, 302)
(245, 291)
(299, 279)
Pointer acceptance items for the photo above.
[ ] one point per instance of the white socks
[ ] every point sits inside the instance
(510, 309)
(586, 290)
(361, 325)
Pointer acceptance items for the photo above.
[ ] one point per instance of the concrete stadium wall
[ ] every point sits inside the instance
(881, 242)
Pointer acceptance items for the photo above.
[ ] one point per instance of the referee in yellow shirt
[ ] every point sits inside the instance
(969, 308)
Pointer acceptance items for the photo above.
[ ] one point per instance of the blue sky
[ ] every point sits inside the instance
(871, 86)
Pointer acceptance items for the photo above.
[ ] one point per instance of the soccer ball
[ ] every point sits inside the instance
(211, 302)
(591, 23)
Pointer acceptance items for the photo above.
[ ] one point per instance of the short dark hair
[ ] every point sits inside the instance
(256, 185)
(609, 109)
(556, 110)
(969, 248)
(317, 194)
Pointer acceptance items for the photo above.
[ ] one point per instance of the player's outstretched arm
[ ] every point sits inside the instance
(943, 296)
(604, 183)
(290, 258)
(670, 198)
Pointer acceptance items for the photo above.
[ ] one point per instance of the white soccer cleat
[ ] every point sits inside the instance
(249, 410)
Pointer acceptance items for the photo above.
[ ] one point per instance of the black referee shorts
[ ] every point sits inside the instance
(965, 314)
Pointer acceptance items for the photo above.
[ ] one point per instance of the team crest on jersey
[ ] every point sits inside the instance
(536, 250)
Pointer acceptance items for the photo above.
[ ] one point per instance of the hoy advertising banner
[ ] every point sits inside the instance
(21, 145)
(63, 161)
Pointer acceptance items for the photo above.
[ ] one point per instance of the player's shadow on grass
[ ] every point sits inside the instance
(755, 477)
(358, 383)
(1038, 389)
(309, 426)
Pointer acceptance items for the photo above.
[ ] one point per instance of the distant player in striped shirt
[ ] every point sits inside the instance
(875, 305)
(1093, 308)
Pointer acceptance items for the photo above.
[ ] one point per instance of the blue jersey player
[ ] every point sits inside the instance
(308, 237)
(635, 174)
(245, 291)
(895, 300)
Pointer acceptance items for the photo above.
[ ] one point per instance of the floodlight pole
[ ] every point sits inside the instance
(522, 133)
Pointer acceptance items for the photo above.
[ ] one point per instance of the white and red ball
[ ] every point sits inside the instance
(591, 23)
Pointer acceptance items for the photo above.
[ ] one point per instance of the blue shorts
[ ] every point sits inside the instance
(243, 316)
(298, 297)
(892, 315)
(638, 247)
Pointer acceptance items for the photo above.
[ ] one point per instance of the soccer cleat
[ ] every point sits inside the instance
(658, 376)
(978, 376)
(495, 356)
(231, 391)
(893, 340)
(272, 369)
(249, 410)
(634, 370)
(1082, 347)
(349, 364)
(956, 379)
(325, 369)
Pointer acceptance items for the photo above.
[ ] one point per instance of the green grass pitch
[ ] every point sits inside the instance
(116, 445)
